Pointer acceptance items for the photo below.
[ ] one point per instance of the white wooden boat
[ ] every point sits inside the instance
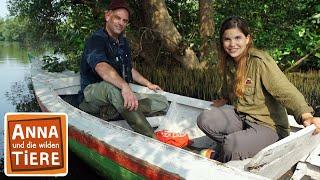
(116, 151)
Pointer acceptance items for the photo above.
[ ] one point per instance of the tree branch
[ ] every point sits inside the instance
(298, 63)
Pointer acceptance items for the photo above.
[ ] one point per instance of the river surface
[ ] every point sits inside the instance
(14, 68)
(16, 96)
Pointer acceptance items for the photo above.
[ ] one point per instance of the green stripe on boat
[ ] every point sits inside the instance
(104, 166)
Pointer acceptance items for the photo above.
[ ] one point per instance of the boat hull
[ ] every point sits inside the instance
(107, 146)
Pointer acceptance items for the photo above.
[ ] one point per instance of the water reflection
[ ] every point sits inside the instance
(21, 95)
(15, 79)
(13, 51)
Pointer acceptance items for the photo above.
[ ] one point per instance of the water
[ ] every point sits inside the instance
(17, 97)
(13, 69)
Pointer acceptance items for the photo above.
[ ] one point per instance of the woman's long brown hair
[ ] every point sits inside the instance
(241, 65)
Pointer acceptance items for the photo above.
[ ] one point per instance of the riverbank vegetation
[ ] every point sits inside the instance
(204, 84)
(179, 34)
(13, 29)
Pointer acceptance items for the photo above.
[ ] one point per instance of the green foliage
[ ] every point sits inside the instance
(185, 15)
(288, 29)
(60, 25)
(2, 22)
(53, 64)
(13, 29)
(74, 31)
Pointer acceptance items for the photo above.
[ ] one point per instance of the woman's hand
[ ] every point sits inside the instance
(219, 102)
(308, 119)
(153, 87)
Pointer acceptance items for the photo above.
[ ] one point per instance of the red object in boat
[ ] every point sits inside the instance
(176, 139)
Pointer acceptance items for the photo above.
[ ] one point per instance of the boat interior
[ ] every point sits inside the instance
(181, 117)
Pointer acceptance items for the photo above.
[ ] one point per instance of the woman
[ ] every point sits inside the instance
(261, 95)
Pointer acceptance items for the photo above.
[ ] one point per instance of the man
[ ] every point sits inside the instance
(106, 71)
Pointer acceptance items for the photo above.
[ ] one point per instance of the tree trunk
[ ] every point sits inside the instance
(142, 40)
(144, 46)
(208, 48)
(160, 21)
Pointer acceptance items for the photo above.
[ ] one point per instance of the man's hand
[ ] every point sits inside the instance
(137, 77)
(130, 99)
(153, 87)
(219, 102)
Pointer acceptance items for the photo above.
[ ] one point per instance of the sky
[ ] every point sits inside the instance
(3, 8)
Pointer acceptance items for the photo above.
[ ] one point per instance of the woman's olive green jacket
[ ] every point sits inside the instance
(268, 94)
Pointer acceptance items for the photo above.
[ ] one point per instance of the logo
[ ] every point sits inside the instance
(248, 81)
(36, 144)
